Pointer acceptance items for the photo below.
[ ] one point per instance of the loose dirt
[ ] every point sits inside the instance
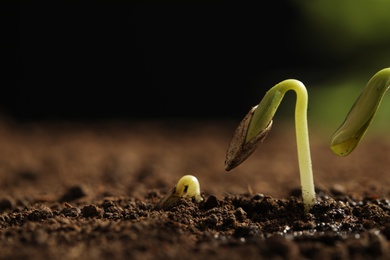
(88, 191)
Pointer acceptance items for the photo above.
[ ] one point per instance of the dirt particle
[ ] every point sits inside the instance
(211, 202)
(41, 213)
(70, 212)
(258, 196)
(73, 193)
(91, 211)
(246, 231)
(240, 214)
(6, 204)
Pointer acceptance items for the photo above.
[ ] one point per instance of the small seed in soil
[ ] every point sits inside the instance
(188, 187)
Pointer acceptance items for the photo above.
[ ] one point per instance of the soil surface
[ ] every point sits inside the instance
(88, 191)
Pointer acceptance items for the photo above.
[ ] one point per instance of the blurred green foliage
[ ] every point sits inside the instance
(352, 39)
(346, 27)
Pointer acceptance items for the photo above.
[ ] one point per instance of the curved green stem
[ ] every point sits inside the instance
(359, 118)
(257, 124)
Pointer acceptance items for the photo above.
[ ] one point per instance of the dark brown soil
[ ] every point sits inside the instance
(72, 191)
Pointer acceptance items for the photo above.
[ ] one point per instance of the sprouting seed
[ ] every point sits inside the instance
(360, 116)
(256, 125)
(187, 187)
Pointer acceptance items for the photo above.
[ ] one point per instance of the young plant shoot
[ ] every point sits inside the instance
(187, 187)
(359, 118)
(257, 123)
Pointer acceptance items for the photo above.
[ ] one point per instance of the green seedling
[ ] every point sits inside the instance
(258, 122)
(359, 118)
(186, 188)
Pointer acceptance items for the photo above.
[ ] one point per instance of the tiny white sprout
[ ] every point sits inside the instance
(187, 188)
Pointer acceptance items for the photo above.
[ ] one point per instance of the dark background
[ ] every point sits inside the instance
(111, 61)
